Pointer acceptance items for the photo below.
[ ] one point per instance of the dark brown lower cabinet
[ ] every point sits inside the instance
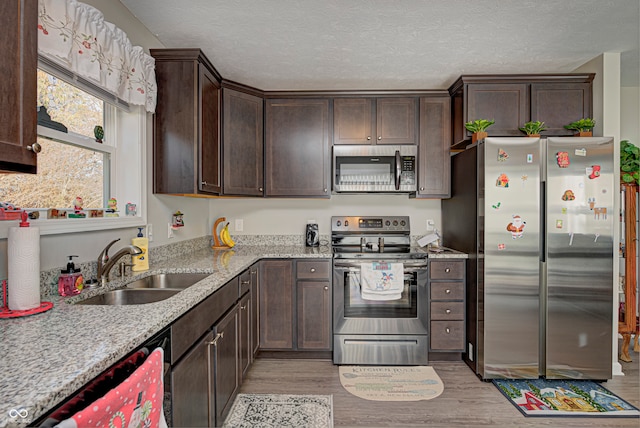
(244, 333)
(224, 372)
(255, 310)
(276, 304)
(314, 315)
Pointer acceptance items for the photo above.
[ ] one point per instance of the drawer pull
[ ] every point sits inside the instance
(448, 330)
(448, 311)
(243, 307)
(447, 270)
(326, 287)
(245, 282)
(214, 342)
(448, 291)
(313, 270)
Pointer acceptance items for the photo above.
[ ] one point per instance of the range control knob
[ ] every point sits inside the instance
(395, 222)
(338, 223)
(387, 223)
(403, 223)
(346, 223)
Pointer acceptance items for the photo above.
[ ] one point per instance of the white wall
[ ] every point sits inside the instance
(630, 114)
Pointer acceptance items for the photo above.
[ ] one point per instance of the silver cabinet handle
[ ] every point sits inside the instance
(245, 282)
(325, 190)
(253, 272)
(379, 137)
(242, 308)
(260, 189)
(448, 311)
(214, 342)
(368, 137)
(203, 183)
(447, 330)
(448, 291)
(326, 287)
(422, 189)
(447, 270)
(313, 270)
(35, 148)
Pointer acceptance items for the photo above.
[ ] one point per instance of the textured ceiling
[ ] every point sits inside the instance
(394, 44)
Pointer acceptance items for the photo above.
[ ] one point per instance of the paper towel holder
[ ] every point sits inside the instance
(5, 312)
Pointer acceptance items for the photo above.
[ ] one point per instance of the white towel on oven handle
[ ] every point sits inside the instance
(381, 281)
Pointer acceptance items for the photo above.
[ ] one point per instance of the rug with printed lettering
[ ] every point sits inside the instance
(391, 383)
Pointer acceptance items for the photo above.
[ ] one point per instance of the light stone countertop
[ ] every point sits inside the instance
(46, 357)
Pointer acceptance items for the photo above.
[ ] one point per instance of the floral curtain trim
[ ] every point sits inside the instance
(76, 36)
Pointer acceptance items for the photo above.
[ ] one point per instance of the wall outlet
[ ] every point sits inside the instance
(239, 225)
(150, 232)
(431, 225)
(170, 231)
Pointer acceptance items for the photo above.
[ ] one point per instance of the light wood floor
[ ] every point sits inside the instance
(466, 400)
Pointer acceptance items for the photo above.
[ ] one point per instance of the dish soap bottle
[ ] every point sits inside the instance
(70, 281)
(140, 262)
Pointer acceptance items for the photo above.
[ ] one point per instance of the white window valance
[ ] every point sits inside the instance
(76, 36)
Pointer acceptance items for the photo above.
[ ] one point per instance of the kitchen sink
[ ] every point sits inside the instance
(168, 280)
(130, 296)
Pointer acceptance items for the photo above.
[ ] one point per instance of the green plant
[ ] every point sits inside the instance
(581, 125)
(629, 162)
(530, 128)
(478, 125)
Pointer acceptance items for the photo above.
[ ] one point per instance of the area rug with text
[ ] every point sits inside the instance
(281, 410)
(391, 383)
(543, 397)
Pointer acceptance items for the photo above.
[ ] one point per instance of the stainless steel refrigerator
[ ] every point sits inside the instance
(536, 218)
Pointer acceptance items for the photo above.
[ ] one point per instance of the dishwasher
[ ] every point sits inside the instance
(113, 377)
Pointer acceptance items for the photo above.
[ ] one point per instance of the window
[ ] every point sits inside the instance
(74, 169)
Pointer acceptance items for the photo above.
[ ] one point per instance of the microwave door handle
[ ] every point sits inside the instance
(398, 169)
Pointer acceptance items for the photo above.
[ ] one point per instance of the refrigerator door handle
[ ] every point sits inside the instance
(543, 222)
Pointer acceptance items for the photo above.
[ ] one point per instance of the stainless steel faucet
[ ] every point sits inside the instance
(106, 262)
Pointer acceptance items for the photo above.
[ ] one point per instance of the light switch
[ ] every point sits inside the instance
(239, 225)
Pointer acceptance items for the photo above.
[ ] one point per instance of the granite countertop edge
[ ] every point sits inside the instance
(49, 356)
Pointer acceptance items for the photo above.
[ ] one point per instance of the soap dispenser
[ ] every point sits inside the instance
(70, 281)
(141, 261)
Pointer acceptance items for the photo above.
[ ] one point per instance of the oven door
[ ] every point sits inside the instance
(355, 315)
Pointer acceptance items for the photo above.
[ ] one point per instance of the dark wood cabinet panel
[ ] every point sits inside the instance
(506, 103)
(447, 285)
(242, 143)
(314, 315)
(186, 139)
(254, 271)
(354, 121)
(560, 104)
(244, 333)
(276, 304)
(297, 155)
(18, 86)
(225, 369)
(434, 159)
(375, 120)
(190, 387)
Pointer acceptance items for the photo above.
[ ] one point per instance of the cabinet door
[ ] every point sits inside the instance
(396, 120)
(506, 103)
(353, 121)
(314, 315)
(434, 174)
(276, 304)
(297, 148)
(243, 146)
(209, 147)
(18, 86)
(559, 104)
(226, 375)
(244, 319)
(255, 310)
(190, 387)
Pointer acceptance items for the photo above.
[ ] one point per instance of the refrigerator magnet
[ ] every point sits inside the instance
(568, 195)
(496, 206)
(529, 157)
(524, 179)
(501, 247)
(516, 227)
(558, 224)
(595, 171)
(502, 181)
(591, 202)
(581, 152)
(564, 211)
(563, 159)
(502, 155)
(600, 213)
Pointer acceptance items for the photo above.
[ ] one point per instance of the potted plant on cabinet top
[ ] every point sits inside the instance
(533, 129)
(629, 162)
(478, 128)
(583, 127)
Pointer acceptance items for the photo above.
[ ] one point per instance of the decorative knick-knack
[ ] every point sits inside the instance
(98, 132)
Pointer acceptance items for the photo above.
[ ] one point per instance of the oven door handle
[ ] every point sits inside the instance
(407, 266)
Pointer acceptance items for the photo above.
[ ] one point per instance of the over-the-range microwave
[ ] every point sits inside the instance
(374, 169)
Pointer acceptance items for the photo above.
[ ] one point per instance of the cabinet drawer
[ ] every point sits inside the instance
(245, 283)
(313, 269)
(447, 291)
(447, 335)
(447, 311)
(187, 329)
(446, 270)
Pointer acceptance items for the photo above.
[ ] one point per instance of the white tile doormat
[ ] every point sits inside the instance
(391, 383)
(281, 411)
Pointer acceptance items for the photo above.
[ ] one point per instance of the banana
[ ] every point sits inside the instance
(226, 237)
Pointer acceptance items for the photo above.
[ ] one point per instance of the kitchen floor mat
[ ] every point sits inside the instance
(391, 383)
(542, 397)
(281, 410)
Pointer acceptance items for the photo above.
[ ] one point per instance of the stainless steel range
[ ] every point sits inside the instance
(378, 325)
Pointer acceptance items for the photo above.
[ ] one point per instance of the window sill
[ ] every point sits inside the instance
(72, 225)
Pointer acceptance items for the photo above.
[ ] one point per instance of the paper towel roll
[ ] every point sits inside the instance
(23, 285)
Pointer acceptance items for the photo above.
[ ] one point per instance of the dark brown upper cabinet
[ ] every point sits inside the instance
(375, 120)
(513, 100)
(434, 159)
(297, 154)
(186, 140)
(18, 86)
(242, 143)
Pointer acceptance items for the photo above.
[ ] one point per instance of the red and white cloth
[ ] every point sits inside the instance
(135, 403)
(381, 281)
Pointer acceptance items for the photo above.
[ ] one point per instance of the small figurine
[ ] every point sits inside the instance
(112, 208)
(98, 132)
(77, 209)
(130, 209)
(177, 219)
